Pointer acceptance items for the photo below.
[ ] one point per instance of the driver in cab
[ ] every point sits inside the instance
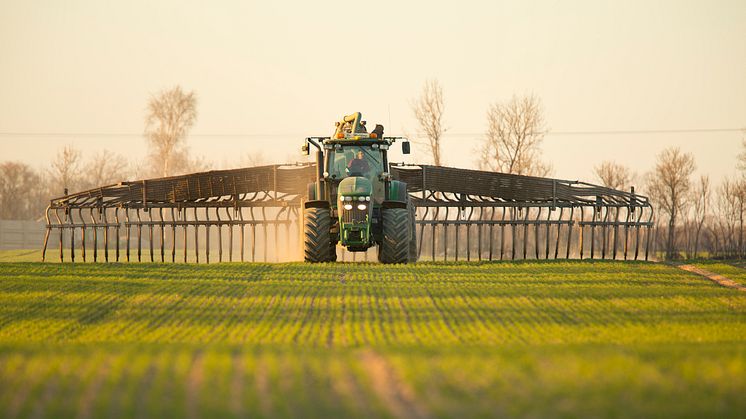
(358, 166)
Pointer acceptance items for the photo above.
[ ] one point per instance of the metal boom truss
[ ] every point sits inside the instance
(255, 214)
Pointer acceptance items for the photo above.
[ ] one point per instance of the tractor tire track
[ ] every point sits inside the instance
(85, 406)
(261, 380)
(390, 388)
(194, 385)
(347, 385)
(716, 278)
(237, 385)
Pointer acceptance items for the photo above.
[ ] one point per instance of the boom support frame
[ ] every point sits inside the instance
(256, 214)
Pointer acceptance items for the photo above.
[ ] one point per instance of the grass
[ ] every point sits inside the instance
(27, 255)
(529, 339)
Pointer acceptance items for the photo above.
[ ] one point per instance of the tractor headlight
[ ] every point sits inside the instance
(361, 207)
(361, 199)
(348, 206)
(348, 198)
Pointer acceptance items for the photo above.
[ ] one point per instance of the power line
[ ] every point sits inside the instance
(624, 132)
(450, 134)
(654, 131)
(130, 135)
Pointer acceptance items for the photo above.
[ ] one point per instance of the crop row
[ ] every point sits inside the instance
(353, 305)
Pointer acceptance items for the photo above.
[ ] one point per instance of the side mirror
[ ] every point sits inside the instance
(304, 150)
(405, 147)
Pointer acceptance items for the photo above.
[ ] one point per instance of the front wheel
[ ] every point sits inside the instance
(317, 237)
(394, 246)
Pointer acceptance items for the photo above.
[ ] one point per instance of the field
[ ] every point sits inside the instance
(531, 339)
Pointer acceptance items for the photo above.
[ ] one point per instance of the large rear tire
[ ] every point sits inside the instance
(394, 246)
(317, 237)
(413, 234)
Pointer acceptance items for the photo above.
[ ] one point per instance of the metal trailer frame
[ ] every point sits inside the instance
(256, 212)
(505, 216)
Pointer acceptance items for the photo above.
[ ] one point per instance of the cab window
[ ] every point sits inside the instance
(355, 161)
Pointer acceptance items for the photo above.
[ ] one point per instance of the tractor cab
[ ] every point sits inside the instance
(363, 160)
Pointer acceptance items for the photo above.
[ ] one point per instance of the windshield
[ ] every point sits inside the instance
(355, 161)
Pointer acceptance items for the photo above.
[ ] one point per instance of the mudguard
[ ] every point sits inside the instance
(311, 191)
(397, 191)
(316, 204)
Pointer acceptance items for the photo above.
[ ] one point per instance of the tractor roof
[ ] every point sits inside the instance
(359, 139)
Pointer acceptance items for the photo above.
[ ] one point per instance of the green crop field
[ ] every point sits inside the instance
(532, 339)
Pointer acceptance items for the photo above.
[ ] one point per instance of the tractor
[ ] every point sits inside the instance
(354, 202)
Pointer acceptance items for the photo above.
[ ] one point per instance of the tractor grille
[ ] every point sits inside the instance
(354, 215)
(355, 236)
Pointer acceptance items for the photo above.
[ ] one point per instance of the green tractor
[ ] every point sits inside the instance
(354, 202)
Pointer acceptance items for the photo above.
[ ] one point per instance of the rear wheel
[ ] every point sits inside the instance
(317, 238)
(413, 234)
(394, 247)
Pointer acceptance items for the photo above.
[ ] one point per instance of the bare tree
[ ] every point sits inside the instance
(428, 109)
(515, 131)
(21, 196)
(730, 205)
(742, 156)
(701, 197)
(739, 196)
(669, 187)
(254, 158)
(105, 168)
(725, 225)
(169, 117)
(65, 171)
(614, 175)
(196, 164)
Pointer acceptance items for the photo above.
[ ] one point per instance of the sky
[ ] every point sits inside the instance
(618, 80)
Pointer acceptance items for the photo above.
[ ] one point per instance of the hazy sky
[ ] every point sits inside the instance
(268, 73)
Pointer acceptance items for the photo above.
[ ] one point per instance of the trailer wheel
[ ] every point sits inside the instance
(394, 247)
(317, 237)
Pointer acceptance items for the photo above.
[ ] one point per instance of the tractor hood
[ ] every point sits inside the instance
(355, 186)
